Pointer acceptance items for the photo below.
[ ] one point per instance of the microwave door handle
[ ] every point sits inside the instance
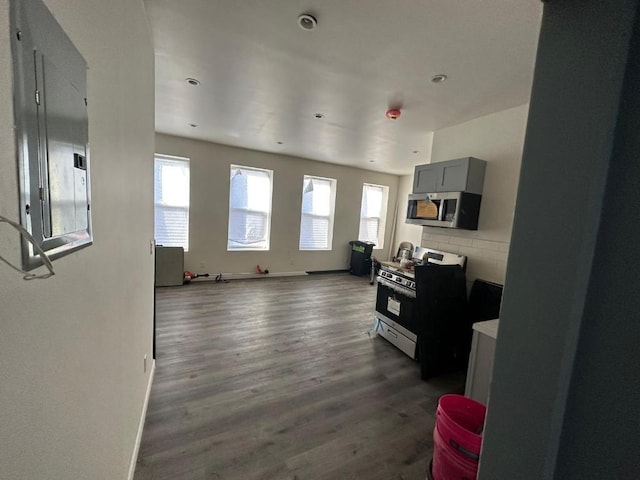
(441, 210)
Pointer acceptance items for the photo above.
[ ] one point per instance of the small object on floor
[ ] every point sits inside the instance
(375, 327)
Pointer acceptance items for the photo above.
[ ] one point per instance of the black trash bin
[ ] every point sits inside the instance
(361, 257)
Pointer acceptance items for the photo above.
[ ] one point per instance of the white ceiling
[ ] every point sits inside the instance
(263, 77)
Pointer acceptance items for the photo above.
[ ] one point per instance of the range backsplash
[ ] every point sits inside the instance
(486, 259)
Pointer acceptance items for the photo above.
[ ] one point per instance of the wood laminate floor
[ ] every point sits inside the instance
(276, 378)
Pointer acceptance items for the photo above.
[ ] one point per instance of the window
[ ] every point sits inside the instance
(249, 208)
(318, 204)
(373, 213)
(171, 187)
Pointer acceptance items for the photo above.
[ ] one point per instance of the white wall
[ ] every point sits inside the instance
(405, 232)
(209, 213)
(497, 138)
(72, 384)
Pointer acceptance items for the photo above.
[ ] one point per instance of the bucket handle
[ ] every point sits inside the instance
(464, 451)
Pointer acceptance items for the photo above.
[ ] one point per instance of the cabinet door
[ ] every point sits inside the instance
(453, 176)
(425, 178)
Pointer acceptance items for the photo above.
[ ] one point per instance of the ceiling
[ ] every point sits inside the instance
(263, 78)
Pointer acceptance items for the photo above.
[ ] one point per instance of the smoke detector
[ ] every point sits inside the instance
(393, 113)
(307, 22)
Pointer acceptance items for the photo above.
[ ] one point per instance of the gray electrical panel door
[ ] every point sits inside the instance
(50, 106)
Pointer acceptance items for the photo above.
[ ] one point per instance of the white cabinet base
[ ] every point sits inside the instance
(483, 348)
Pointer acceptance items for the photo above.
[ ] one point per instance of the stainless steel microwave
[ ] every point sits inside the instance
(444, 209)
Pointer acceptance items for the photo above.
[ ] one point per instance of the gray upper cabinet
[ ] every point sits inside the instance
(425, 178)
(459, 175)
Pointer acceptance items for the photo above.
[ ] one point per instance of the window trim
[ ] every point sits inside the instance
(332, 213)
(383, 217)
(269, 214)
(187, 161)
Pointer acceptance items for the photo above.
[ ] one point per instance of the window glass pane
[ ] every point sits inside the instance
(373, 213)
(171, 198)
(249, 208)
(314, 232)
(371, 201)
(369, 230)
(316, 221)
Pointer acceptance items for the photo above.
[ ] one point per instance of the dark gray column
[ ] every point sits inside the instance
(568, 340)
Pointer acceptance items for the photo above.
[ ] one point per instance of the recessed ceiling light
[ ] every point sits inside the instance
(193, 125)
(193, 81)
(438, 78)
(307, 22)
(319, 115)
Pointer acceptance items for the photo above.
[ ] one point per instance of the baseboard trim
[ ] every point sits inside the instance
(245, 276)
(143, 416)
(322, 272)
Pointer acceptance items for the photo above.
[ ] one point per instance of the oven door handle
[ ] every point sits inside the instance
(407, 292)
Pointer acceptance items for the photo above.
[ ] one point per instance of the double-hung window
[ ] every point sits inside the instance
(373, 213)
(171, 199)
(318, 205)
(249, 208)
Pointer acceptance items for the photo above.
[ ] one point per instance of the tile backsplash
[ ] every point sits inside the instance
(486, 259)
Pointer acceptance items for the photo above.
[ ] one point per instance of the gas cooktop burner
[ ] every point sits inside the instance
(404, 279)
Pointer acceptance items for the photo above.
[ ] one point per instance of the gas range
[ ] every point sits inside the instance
(397, 317)
(402, 280)
(397, 279)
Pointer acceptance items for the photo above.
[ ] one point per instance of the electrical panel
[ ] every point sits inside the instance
(50, 108)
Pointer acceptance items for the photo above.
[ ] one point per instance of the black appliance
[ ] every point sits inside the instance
(485, 299)
(441, 302)
(444, 209)
(421, 311)
(360, 257)
(484, 303)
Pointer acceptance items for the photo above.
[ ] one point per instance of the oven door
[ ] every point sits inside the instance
(395, 314)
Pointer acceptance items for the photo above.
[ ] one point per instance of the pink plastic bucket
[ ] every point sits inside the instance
(457, 438)
(448, 465)
(460, 421)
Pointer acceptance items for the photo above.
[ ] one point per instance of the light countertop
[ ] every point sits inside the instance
(396, 266)
(489, 327)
